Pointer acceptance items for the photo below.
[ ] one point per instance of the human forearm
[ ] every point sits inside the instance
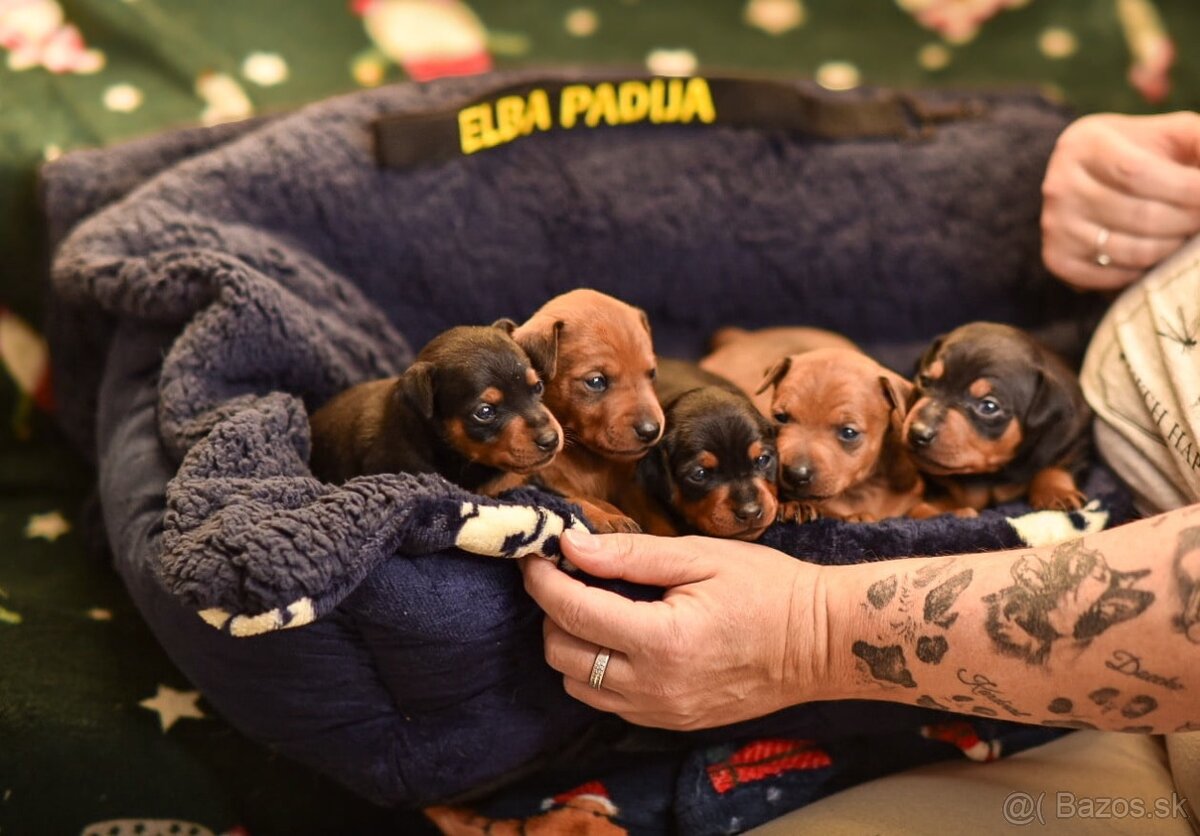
(1090, 633)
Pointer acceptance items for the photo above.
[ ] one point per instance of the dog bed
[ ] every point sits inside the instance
(212, 286)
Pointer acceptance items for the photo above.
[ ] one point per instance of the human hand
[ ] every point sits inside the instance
(1124, 186)
(739, 633)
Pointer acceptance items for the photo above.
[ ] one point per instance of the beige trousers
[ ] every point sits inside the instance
(1084, 783)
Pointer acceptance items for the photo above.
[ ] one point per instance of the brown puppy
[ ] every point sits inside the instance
(839, 416)
(597, 359)
(714, 472)
(741, 356)
(997, 416)
(470, 408)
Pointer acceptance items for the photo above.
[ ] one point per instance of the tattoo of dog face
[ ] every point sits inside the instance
(1074, 595)
(1187, 578)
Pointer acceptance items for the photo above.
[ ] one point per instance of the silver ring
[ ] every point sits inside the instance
(1102, 258)
(596, 680)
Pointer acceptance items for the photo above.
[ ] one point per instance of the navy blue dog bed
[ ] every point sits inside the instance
(212, 286)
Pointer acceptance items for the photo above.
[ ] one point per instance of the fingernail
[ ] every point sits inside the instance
(581, 541)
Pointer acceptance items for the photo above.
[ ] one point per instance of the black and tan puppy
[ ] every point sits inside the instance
(997, 416)
(470, 408)
(714, 471)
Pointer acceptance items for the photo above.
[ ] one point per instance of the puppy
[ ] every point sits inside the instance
(470, 409)
(741, 356)
(839, 416)
(998, 416)
(597, 359)
(714, 472)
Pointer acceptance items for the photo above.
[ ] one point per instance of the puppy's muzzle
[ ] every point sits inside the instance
(750, 512)
(799, 476)
(921, 434)
(547, 440)
(647, 431)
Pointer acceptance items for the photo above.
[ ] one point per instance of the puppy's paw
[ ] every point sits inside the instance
(860, 518)
(1053, 489)
(604, 522)
(797, 512)
(1067, 501)
(928, 510)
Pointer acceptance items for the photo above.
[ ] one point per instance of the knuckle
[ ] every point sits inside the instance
(1186, 121)
(1145, 252)
(570, 616)
(1128, 171)
(622, 545)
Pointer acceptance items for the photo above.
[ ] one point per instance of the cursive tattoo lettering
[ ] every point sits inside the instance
(1123, 661)
(981, 686)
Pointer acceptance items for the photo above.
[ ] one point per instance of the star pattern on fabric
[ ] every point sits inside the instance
(172, 705)
(49, 526)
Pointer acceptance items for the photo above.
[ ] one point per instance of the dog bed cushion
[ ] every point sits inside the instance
(212, 287)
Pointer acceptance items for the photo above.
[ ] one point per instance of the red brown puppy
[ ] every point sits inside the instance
(839, 416)
(742, 356)
(998, 416)
(470, 408)
(597, 359)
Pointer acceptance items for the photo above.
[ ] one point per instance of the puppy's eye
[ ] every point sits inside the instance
(924, 381)
(698, 475)
(485, 413)
(848, 434)
(988, 406)
(596, 382)
(764, 462)
(782, 417)
(538, 388)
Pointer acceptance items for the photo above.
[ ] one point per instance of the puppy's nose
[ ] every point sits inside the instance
(547, 441)
(801, 475)
(921, 435)
(647, 431)
(750, 512)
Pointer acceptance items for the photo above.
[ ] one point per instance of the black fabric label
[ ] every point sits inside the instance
(513, 113)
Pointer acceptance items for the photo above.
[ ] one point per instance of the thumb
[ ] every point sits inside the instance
(640, 558)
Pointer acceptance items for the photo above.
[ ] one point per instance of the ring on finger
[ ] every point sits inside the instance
(1102, 257)
(599, 666)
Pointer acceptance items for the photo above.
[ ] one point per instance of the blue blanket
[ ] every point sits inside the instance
(211, 287)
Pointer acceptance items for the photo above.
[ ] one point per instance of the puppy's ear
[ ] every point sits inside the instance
(930, 352)
(654, 471)
(645, 320)
(539, 339)
(1051, 401)
(898, 393)
(774, 374)
(506, 325)
(416, 387)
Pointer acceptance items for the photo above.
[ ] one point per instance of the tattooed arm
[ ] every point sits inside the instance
(1095, 633)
